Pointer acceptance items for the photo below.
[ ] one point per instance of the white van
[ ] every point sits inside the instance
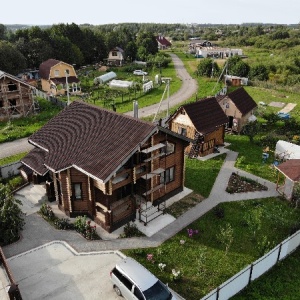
(134, 282)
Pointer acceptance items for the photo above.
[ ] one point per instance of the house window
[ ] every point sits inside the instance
(182, 131)
(56, 73)
(167, 176)
(114, 53)
(77, 191)
(169, 149)
(1, 103)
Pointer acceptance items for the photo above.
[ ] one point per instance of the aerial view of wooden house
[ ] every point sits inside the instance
(116, 57)
(203, 122)
(105, 165)
(16, 97)
(238, 106)
(162, 42)
(57, 77)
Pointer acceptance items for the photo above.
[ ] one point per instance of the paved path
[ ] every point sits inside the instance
(188, 89)
(15, 147)
(38, 232)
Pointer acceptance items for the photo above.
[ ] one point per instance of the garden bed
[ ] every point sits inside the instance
(241, 184)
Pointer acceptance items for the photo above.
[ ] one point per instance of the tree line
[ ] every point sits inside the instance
(71, 43)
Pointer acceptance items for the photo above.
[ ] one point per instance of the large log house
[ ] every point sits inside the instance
(104, 165)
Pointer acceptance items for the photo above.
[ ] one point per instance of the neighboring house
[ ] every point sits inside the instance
(235, 80)
(290, 169)
(16, 97)
(203, 122)
(104, 165)
(162, 42)
(238, 106)
(57, 76)
(216, 52)
(116, 57)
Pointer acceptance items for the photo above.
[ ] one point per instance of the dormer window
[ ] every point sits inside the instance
(182, 131)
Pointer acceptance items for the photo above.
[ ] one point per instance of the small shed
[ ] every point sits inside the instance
(285, 150)
(290, 169)
(105, 78)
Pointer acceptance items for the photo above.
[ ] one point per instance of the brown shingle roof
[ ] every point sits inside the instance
(291, 169)
(163, 41)
(35, 160)
(44, 69)
(242, 100)
(206, 115)
(93, 140)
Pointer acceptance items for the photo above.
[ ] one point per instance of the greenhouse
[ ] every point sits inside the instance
(105, 78)
(120, 84)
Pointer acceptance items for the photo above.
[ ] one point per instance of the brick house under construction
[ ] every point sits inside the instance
(16, 97)
(105, 165)
(203, 122)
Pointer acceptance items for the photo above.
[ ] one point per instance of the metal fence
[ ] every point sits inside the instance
(51, 99)
(240, 280)
(10, 170)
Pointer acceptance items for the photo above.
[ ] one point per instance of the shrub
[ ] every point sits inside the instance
(130, 230)
(47, 212)
(63, 224)
(84, 227)
(219, 211)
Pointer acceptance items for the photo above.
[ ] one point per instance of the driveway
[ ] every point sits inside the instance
(56, 271)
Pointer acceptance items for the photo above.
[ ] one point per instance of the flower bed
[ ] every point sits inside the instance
(241, 184)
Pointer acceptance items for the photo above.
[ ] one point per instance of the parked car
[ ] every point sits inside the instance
(133, 281)
(139, 72)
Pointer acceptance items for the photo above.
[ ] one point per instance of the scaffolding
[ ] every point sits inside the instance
(15, 100)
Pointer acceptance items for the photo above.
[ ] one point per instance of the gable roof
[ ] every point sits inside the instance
(291, 169)
(206, 114)
(91, 139)
(242, 100)
(44, 69)
(4, 75)
(163, 41)
(35, 161)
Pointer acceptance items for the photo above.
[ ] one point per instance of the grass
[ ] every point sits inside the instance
(250, 157)
(25, 126)
(202, 259)
(201, 175)
(12, 159)
(281, 282)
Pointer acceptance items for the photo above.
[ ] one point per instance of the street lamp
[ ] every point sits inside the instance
(67, 84)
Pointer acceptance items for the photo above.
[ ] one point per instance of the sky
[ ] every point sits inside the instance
(100, 12)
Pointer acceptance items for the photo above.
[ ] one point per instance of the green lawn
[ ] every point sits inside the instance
(202, 259)
(201, 175)
(281, 282)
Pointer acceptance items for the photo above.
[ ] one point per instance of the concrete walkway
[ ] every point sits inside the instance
(38, 232)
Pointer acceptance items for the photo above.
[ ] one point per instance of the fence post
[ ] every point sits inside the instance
(279, 252)
(251, 270)
(218, 292)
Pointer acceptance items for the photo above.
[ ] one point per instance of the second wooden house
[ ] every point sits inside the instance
(105, 165)
(239, 107)
(58, 77)
(203, 122)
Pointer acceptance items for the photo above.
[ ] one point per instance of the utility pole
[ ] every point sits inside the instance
(67, 84)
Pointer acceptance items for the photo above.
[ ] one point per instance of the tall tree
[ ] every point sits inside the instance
(12, 60)
(11, 216)
(148, 41)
